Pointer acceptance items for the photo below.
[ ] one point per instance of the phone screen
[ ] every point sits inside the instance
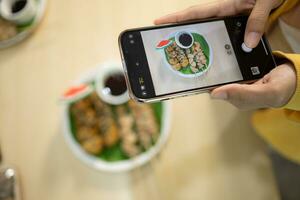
(179, 58)
(209, 61)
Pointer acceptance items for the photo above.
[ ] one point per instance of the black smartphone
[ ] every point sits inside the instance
(174, 60)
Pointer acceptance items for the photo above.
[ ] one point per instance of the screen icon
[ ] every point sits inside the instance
(141, 80)
(228, 49)
(227, 46)
(255, 70)
(144, 93)
(238, 24)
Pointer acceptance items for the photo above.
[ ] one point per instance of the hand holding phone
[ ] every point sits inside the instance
(163, 62)
(256, 25)
(272, 90)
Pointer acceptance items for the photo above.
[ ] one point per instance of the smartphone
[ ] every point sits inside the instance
(175, 60)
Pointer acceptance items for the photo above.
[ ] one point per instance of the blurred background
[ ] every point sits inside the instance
(212, 152)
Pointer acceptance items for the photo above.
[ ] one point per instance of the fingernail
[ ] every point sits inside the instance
(252, 39)
(219, 95)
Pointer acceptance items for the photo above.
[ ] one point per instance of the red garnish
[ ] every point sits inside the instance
(163, 43)
(75, 90)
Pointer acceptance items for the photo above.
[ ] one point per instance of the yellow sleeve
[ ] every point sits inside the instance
(285, 7)
(293, 107)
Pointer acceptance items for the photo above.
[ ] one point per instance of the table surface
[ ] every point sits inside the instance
(213, 153)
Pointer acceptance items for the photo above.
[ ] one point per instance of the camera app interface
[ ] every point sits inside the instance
(190, 56)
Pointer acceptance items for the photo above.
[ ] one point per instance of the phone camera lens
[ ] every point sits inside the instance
(228, 49)
(239, 24)
(130, 36)
(227, 46)
(131, 41)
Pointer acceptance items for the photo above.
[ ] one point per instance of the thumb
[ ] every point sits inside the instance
(257, 22)
(244, 96)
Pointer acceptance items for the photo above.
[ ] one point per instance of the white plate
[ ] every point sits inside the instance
(117, 166)
(25, 33)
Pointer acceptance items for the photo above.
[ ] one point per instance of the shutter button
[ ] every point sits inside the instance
(245, 48)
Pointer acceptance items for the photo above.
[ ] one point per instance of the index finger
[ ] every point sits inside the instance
(203, 10)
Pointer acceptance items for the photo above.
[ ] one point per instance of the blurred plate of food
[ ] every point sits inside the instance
(11, 33)
(111, 137)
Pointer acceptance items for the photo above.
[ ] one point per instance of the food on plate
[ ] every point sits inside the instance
(180, 58)
(93, 144)
(114, 132)
(7, 29)
(192, 60)
(146, 124)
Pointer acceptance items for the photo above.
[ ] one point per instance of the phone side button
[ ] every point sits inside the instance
(124, 66)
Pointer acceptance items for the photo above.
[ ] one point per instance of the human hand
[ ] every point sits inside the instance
(274, 90)
(260, 11)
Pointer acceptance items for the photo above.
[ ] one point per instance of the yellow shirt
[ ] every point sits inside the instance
(281, 127)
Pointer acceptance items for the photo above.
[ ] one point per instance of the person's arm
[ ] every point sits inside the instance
(293, 107)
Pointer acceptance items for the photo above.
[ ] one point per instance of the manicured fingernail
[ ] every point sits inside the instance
(252, 39)
(219, 95)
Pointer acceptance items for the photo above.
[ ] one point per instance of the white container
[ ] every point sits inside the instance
(178, 34)
(21, 17)
(41, 8)
(103, 73)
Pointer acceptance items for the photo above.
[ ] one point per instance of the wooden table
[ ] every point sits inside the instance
(212, 153)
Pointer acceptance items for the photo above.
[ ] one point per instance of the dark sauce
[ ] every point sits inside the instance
(116, 83)
(18, 5)
(185, 39)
